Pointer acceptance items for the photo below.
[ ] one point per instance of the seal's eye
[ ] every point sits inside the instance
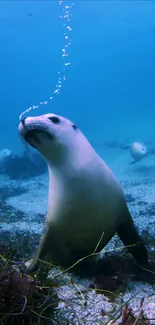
(54, 119)
(75, 127)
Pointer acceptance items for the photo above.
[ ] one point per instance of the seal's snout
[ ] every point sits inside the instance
(22, 127)
(22, 121)
(34, 130)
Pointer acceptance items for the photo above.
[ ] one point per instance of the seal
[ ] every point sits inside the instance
(86, 203)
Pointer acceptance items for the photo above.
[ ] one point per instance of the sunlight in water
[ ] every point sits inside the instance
(65, 16)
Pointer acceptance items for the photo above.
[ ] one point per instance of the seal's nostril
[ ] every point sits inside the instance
(23, 120)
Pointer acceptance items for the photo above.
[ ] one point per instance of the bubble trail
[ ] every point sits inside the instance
(65, 16)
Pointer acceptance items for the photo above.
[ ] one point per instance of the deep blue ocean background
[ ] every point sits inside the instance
(110, 88)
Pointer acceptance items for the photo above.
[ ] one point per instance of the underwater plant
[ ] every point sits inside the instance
(24, 299)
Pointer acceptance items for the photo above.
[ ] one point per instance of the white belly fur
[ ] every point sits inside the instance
(84, 206)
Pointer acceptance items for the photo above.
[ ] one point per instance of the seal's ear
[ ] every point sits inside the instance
(74, 127)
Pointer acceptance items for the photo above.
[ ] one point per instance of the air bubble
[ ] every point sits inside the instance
(65, 15)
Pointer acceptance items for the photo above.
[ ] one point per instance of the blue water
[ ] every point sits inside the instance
(109, 91)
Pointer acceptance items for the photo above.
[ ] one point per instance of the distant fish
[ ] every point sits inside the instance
(138, 151)
(5, 155)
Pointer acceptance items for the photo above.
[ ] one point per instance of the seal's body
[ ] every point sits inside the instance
(86, 204)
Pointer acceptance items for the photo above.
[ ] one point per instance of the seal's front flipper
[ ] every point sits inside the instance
(42, 251)
(128, 234)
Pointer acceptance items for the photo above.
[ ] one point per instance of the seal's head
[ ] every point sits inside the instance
(55, 137)
(138, 151)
